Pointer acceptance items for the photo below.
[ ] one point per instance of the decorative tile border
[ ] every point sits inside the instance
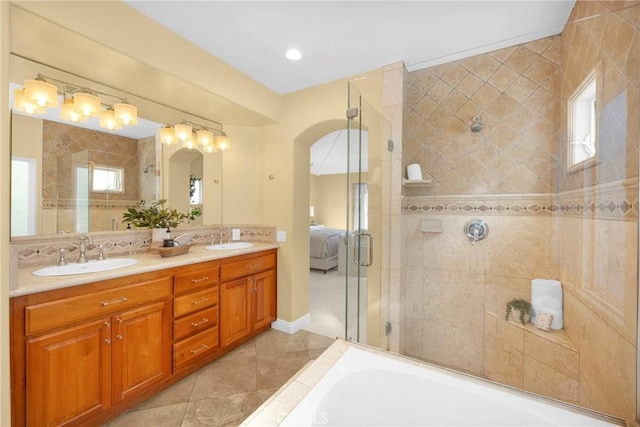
(43, 250)
(93, 203)
(617, 201)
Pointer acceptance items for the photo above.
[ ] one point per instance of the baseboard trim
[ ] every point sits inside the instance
(292, 327)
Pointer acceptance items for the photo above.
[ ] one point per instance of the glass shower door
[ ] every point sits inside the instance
(368, 137)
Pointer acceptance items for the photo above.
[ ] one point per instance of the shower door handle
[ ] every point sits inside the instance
(357, 251)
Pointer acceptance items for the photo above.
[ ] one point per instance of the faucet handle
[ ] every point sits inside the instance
(62, 259)
(100, 252)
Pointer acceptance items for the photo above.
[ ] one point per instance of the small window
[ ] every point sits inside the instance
(582, 127)
(195, 190)
(107, 178)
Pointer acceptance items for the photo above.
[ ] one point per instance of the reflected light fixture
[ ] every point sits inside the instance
(167, 135)
(69, 112)
(222, 142)
(182, 131)
(205, 137)
(108, 120)
(20, 103)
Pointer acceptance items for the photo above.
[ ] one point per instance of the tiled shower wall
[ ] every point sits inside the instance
(60, 141)
(578, 228)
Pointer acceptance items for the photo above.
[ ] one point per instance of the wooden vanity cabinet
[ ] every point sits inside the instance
(247, 297)
(83, 354)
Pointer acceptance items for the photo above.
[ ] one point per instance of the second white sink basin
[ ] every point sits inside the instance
(86, 267)
(229, 246)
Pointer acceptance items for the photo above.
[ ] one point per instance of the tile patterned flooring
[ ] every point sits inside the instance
(228, 390)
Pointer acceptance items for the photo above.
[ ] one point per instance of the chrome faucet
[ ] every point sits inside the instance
(84, 240)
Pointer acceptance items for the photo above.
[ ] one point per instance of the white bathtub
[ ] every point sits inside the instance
(364, 388)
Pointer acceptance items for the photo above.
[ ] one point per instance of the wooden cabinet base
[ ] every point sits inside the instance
(121, 341)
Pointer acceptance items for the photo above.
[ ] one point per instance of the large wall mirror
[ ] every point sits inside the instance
(77, 177)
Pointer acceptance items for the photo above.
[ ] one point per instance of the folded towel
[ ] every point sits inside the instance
(546, 295)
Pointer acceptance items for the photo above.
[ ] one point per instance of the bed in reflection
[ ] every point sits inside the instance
(323, 247)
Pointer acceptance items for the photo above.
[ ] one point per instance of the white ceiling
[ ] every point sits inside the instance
(340, 39)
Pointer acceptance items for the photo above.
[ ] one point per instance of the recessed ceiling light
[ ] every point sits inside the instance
(293, 54)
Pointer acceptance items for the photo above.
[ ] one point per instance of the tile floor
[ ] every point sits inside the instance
(228, 390)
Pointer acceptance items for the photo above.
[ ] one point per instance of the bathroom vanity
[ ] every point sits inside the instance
(84, 353)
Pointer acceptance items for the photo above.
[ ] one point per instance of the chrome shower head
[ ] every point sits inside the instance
(147, 168)
(476, 125)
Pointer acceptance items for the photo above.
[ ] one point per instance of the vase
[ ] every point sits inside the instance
(157, 236)
(515, 316)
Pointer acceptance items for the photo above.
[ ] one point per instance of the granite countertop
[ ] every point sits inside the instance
(147, 262)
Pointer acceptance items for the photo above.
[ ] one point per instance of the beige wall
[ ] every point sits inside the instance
(331, 195)
(5, 229)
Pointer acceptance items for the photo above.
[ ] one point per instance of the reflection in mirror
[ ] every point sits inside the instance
(185, 168)
(84, 178)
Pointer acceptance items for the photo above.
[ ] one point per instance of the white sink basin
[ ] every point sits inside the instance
(86, 267)
(229, 246)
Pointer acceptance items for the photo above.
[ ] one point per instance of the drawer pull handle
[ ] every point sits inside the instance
(202, 301)
(106, 303)
(252, 266)
(202, 322)
(202, 279)
(198, 350)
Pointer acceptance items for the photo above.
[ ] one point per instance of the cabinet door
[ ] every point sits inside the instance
(68, 375)
(235, 311)
(141, 349)
(263, 299)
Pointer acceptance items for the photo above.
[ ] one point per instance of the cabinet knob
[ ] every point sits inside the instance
(107, 341)
(119, 336)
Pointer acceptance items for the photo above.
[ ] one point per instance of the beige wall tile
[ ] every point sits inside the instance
(562, 359)
(541, 379)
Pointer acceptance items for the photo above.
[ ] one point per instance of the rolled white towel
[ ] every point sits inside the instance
(546, 295)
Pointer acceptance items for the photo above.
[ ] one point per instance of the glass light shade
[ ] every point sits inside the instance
(223, 143)
(167, 135)
(209, 149)
(87, 104)
(189, 143)
(68, 111)
(108, 120)
(182, 131)
(20, 103)
(41, 93)
(126, 113)
(205, 137)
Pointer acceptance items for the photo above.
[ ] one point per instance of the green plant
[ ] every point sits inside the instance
(518, 304)
(194, 213)
(155, 215)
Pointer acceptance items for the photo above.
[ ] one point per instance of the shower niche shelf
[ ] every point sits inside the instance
(423, 183)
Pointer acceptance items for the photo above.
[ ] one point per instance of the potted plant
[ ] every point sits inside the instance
(154, 216)
(519, 310)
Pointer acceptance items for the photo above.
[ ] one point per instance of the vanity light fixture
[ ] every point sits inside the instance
(79, 104)
(195, 136)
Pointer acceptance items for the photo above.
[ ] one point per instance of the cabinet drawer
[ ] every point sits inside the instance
(53, 314)
(195, 322)
(237, 269)
(205, 343)
(196, 279)
(195, 301)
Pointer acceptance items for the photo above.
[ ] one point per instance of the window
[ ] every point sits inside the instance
(582, 137)
(107, 178)
(23, 200)
(195, 190)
